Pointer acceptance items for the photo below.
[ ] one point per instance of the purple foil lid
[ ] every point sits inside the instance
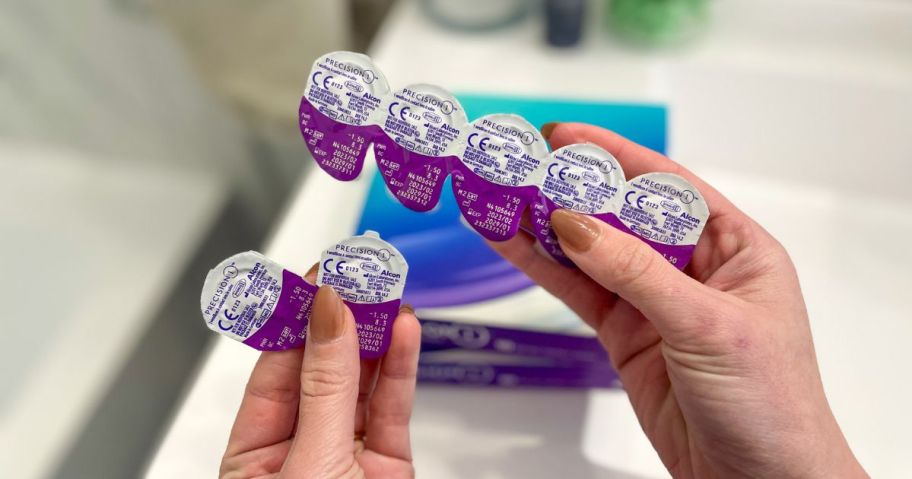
(678, 255)
(369, 274)
(287, 327)
(337, 147)
(416, 180)
(494, 211)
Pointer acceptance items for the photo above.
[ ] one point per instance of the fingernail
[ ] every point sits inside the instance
(547, 129)
(312, 270)
(327, 319)
(311, 275)
(577, 232)
(406, 308)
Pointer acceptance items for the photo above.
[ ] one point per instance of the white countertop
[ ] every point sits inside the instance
(805, 130)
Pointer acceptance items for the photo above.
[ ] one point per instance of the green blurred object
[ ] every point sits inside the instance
(657, 22)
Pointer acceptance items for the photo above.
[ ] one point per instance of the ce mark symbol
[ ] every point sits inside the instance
(326, 79)
(230, 317)
(482, 144)
(328, 264)
(560, 173)
(402, 111)
(639, 200)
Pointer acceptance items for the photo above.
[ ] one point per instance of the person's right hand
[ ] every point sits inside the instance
(720, 367)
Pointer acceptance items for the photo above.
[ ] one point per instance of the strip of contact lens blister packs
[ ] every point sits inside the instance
(421, 125)
(343, 91)
(369, 275)
(499, 163)
(251, 299)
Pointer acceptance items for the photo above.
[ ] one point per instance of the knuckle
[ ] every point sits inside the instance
(321, 382)
(274, 393)
(633, 261)
(719, 330)
(234, 467)
(713, 323)
(390, 416)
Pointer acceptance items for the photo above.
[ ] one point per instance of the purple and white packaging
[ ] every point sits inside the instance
(662, 209)
(254, 300)
(500, 164)
(343, 91)
(421, 125)
(580, 177)
(497, 174)
(369, 274)
(666, 212)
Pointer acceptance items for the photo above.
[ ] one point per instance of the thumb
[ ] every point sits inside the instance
(623, 264)
(329, 388)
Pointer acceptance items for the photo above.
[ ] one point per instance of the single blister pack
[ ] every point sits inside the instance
(583, 178)
(496, 175)
(369, 274)
(342, 93)
(421, 125)
(252, 299)
(666, 212)
(256, 301)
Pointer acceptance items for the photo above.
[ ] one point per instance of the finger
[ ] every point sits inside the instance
(311, 275)
(270, 403)
(329, 388)
(619, 326)
(394, 394)
(368, 377)
(636, 159)
(369, 369)
(585, 297)
(629, 267)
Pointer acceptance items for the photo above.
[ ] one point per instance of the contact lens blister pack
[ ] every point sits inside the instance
(252, 299)
(343, 91)
(499, 164)
(420, 127)
(369, 274)
(583, 178)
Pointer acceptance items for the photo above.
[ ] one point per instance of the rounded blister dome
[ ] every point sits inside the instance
(664, 208)
(240, 294)
(346, 87)
(422, 118)
(584, 178)
(364, 269)
(505, 149)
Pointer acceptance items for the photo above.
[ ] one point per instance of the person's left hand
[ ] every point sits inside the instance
(319, 411)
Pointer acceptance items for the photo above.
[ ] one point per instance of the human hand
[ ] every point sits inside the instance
(319, 411)
(719, 365)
